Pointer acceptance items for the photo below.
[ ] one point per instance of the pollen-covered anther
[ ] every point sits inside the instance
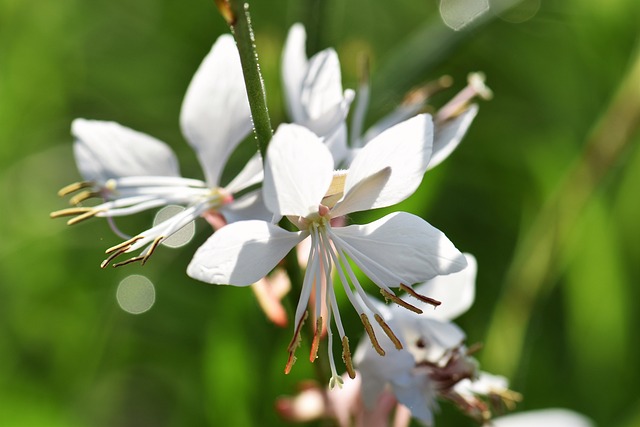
(427, 300)
(346, 357)
(400, 302)
(124, 245)
(294, 344)
(372, 336)
(72, 188)
(387, 330)
(313, 355)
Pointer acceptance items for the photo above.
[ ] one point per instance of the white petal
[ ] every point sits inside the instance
(427, 339)
(294, 68)
(298, 171)
(455, 291)
(242, 253)
(401, 248)
(418, 394)
(362, 195)
(105, 150)
(406, 148)
(215, 114)
(545, 417)
(449, 134)
(337, 144)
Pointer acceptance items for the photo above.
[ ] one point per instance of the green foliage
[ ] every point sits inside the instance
(205, 355)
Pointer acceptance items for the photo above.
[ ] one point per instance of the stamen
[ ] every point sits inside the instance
(372, 335)
(388, 331)
(86, 215)
(474, 348)
(400, 302)
(295, 342)
(130, 260)
(427, 300)
(71, 188)
(82, 196)
(346, 357)
(316, 340)
(127, 244)
(69, 212)
(152, 248)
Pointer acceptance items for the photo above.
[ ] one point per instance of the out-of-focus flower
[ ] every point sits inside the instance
(555, 417)
(397, 250)
(134, 172)
(434, 362)
(313, 91)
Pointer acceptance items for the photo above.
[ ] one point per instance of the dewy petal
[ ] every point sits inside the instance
(401, 248)
(449, 134)
(298, 171)
(106, 150)
(215, 114)
(455, 291)
(294, 68)
(406, 149)
(242, 253)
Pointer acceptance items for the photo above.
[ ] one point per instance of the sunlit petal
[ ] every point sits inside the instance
(294, 68)
(215, 114)
(106, 150)
(242, 253)
(298, 171)
(449, 134)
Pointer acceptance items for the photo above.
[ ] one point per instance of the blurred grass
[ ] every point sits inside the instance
(204, 355)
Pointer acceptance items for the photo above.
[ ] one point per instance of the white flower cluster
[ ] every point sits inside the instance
(310, 181)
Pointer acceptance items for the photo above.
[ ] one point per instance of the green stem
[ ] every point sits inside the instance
(236, 12)
(537, 258)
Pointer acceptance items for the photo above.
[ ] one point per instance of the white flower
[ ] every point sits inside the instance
(556, 417)
(134, 172)
(433, 358)
(397, 250)
(451, 122)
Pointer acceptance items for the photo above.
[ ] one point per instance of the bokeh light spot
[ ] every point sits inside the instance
(457, 14)
(136, 294)
(180, 237)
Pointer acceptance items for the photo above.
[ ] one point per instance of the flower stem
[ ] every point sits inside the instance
(236, 13)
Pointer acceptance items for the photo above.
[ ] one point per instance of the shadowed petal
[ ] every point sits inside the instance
(449, 134)
(406, 149)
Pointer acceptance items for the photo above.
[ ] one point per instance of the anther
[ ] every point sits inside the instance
(295, 342)
(82, 217)
(130, 261)
(400, 302)
(113, 256)
(69, 212)
(126, 245)
(313, 355)
(74, 187)
(388, 331)
(346, 357)
(82, 196)
(427, 300)
(372, 335)
(152, 248)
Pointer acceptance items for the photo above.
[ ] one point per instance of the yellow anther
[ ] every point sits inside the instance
(346, 357)
(74, 187)
(126, 245)
(372, 335)
(387, 330)
(69, 212)
(400, 302)
(82, 196)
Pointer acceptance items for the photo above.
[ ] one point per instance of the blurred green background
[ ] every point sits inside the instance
(557, 247)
